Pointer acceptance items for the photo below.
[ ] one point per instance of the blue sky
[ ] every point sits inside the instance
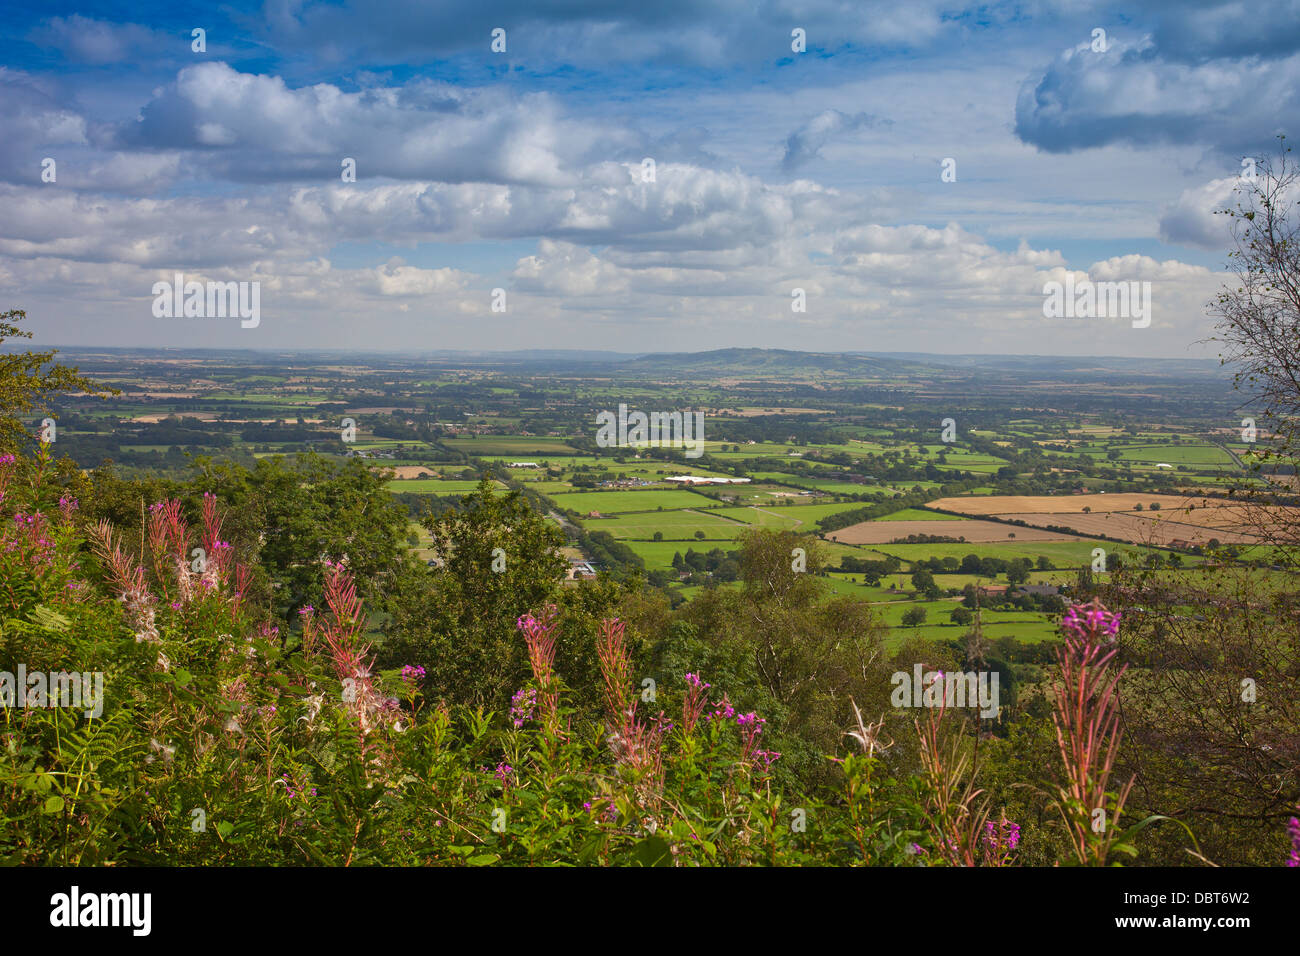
(524, 170)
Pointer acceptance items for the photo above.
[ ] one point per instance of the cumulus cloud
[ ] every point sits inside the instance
(254, 127)
(396, 278)
(1194, 218)
(685, 208)
(32, 122)
(1131, 94)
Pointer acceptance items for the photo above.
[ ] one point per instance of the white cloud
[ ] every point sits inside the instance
(1194, 218)
(254, 127)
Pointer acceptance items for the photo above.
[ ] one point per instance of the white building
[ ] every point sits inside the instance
(705, 480)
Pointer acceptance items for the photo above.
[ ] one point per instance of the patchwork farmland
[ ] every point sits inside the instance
(1015, 500)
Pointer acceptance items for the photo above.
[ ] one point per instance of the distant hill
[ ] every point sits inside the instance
(772, 362)
(1057, 365)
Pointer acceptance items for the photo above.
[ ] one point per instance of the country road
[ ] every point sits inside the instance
(564, 522)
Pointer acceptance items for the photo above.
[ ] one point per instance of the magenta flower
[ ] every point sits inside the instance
(522, 705)
(1001, 837)
(751, 725)
(695, 701)
(724, 712)
(1091, 621)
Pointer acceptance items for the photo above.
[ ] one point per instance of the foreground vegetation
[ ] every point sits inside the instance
(227, 737)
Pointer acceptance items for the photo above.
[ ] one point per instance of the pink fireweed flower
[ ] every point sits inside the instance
(1086, 716)
(751, 725)
(412, 674)
(1091, 622)
(521, 706)
(540, 636)
(615, 669)
(504, 773)
(999, 840)
(724, 712)
(767, 758)
(695, 701)
(6, 473)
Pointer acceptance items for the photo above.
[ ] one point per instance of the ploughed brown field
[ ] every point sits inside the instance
(976, 532)
(1179, 520)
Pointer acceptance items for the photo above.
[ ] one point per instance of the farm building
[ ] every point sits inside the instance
(580, 570)
(1039, 590)
(705, 480)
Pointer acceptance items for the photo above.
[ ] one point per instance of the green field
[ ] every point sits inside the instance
(1200, 456)
(517, 445)
(435, 486)
(1028, 626)
(617, 502)
(675, 525)
(659, 554)
(916, 514)
(547, 487)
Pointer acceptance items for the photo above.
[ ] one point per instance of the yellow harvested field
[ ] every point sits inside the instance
(1154, 528)
(1065, 504)
(1179, 521)
(976, 532)
(153, 418)
(413, 471)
